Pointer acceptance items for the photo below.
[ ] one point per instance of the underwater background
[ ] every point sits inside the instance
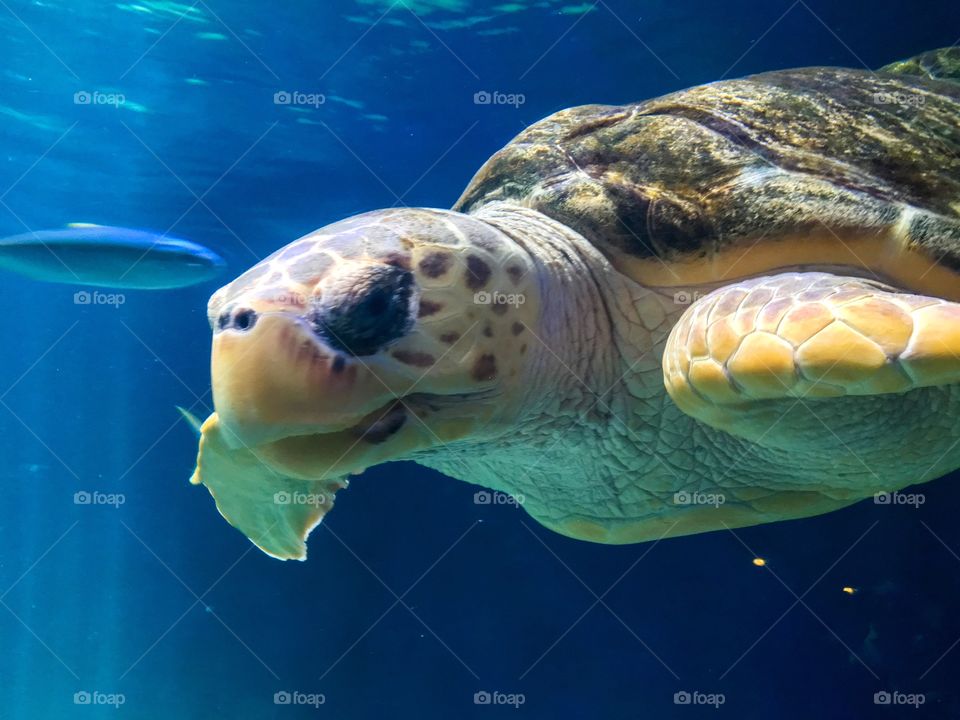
(243, 125)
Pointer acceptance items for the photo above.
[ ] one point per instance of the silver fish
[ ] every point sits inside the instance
(116, 257)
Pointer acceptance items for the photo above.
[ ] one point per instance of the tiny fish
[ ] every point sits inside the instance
(759, 561)
(84, 254)
(849, 590)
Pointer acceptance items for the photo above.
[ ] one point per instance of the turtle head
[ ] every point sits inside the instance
(379, 337)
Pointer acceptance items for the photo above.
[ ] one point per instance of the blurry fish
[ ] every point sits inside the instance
(849, 590)
(759, 561)
(83, 254)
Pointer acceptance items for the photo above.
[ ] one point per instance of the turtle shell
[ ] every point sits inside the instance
(797, 155)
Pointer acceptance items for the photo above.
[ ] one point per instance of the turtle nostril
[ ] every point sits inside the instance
(223, 321)
(244, 319)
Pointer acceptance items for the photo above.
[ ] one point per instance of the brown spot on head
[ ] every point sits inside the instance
(398, 260)
(523, 348)
(417, 359)
(487, 330)
(499, 306)
(485, 369)
(478, 272)
(436, 264)
(450, 337)
(517, 328)
(338, 364)
(428, 307)
(515, 273)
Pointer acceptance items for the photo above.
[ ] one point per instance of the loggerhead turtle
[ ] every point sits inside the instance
(731, 305)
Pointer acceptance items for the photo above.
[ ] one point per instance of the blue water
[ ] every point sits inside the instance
(414, 598)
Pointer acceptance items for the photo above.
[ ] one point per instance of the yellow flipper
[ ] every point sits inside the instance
(806, 335)
(276, 512)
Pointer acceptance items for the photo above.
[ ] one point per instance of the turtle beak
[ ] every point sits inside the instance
(273, 379)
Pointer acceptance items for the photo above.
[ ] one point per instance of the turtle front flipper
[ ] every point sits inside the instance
(276, 512)
(738, 354)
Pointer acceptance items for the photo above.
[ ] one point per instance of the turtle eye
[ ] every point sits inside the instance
(366, 311)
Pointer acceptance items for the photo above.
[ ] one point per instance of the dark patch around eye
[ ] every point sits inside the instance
(369, 311)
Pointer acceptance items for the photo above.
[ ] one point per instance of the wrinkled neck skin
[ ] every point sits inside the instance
(591, 397)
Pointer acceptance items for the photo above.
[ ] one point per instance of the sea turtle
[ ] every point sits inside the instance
(731, 305)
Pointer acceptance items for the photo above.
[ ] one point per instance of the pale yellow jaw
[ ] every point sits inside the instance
(275, 380)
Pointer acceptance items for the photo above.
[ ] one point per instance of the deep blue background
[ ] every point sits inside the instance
(111, 605)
